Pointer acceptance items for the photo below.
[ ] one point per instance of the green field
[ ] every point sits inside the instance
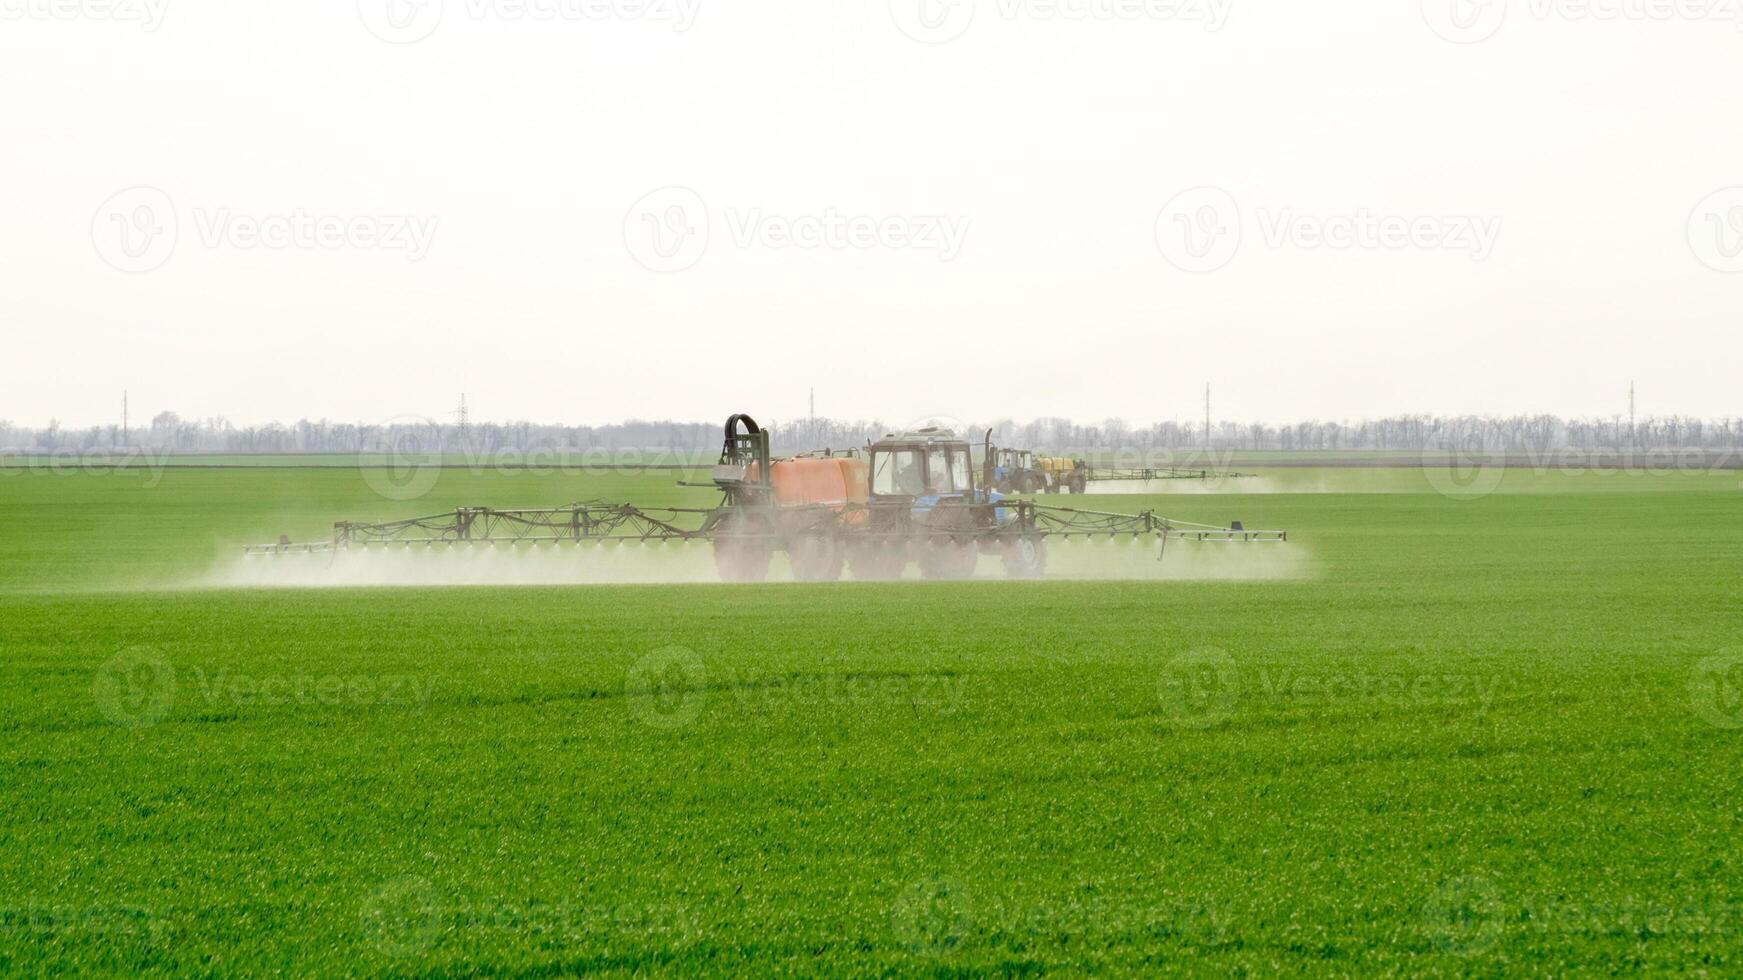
(1430, 735)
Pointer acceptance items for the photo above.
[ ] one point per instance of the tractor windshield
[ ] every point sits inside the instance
(946, 471)
(898, 473)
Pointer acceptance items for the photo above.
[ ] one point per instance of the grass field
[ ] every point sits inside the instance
(1502, 734)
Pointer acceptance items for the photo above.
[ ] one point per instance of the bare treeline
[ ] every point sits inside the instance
(1540, 433)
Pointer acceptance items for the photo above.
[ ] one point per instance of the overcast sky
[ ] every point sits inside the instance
(588, 211)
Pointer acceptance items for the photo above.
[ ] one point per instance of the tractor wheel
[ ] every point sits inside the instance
(1026, 557)
(741, 549)
(873, 561)
(949, 557)
(816, 557)
(1079, 483)
(950, 550)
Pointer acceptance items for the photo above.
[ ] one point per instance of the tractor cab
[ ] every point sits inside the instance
(1009, 461)
(925, 466)
(1013, 470)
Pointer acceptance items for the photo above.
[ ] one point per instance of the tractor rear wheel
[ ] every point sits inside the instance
(1026, 557)
(816, 557)
(742, 549)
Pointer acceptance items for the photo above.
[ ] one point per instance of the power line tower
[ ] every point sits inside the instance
(1632, 438)
(124, 435)
(463, 416)
(1207, 416)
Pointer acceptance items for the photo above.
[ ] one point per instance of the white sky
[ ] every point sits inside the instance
(1593, 140)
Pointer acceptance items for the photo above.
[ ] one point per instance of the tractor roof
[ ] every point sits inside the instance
(920, 437)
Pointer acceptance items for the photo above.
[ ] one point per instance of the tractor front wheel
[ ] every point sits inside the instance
(816, 557)
(1026, 557)
(741, 549)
